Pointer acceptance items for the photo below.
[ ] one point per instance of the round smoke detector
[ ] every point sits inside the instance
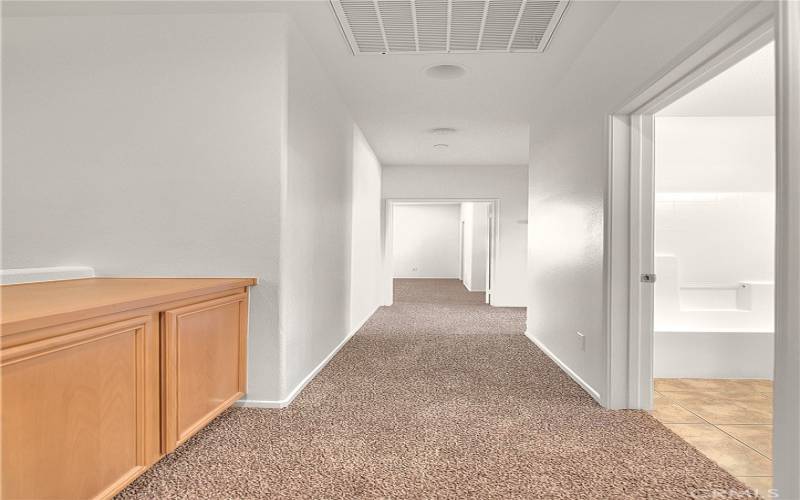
(446, 71)
(442, 131)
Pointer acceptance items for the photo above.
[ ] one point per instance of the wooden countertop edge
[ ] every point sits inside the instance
(29, 324)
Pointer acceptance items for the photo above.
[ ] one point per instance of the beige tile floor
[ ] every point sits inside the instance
(730, 421)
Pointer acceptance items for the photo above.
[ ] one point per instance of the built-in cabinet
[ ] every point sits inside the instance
(204, 364)
(101, 377)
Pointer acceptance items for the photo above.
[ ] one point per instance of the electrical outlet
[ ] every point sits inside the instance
(582, 340)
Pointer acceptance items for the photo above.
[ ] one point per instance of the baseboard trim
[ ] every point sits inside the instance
(283, 403)
(566, 369)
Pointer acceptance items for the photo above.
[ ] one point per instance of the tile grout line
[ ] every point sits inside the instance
(739, 440)
(672, 401)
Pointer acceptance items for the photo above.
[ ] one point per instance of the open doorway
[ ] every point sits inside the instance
(714, 246)
(451, 240)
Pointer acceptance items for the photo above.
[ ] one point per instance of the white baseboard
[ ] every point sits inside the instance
(501, 304)
(255, 403)
(35, 274)
(574, 376)
(283, 403)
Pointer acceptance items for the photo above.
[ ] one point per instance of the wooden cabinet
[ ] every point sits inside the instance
(77, 403)
(204, 364)
(101, 377)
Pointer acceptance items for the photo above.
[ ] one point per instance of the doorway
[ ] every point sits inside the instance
(714, 242)
(630, 233)
(441, 239)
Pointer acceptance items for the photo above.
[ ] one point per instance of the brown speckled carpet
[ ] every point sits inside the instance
(413, 408)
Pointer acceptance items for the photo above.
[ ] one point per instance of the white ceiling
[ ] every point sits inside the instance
(390, 97)
(745, 89)
(396, 105)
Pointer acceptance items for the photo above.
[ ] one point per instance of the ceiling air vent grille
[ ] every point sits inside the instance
(444, 26)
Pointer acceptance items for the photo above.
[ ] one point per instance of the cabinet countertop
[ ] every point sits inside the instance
(33, 305)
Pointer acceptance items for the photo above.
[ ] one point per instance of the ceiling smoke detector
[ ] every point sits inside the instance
(443, 131)
(448, 26)
(446, 71)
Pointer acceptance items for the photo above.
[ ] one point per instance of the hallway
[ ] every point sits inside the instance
(437, 396)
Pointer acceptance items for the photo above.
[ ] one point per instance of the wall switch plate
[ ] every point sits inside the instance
(582, 340)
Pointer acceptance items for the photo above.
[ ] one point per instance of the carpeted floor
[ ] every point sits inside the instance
(412, 407)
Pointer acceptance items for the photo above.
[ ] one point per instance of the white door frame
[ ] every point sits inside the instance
(786, 430)
(630, 199)
(629, 215)
(388, 235)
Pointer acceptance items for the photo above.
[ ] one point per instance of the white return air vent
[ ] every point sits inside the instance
(447, 26)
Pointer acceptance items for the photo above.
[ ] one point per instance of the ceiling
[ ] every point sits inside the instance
(745, 89)
(396, 104)
(390, 97)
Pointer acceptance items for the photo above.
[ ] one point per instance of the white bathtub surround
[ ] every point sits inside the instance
(733, 306)
(715, 233)
(711, 330)
(701, 354)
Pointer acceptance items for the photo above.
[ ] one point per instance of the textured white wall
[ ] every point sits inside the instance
(149, 145)
(194, 145)
(426, 241)
(317, 223)
(509, 184)
(569, 172)
(367, 255)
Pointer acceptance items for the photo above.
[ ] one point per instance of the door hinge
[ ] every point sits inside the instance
(647, 278)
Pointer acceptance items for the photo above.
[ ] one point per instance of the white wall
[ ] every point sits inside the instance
(426, 241)
(316, 228)
(193, 145)
(569, 173)
(149, 145)
(367, 251)
(509, 184)
(475, 251)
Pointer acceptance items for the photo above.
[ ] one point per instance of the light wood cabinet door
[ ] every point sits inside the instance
(204, 360)
(77, 411)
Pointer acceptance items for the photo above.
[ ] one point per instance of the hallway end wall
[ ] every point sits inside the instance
(425, 241)
(507, 183)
